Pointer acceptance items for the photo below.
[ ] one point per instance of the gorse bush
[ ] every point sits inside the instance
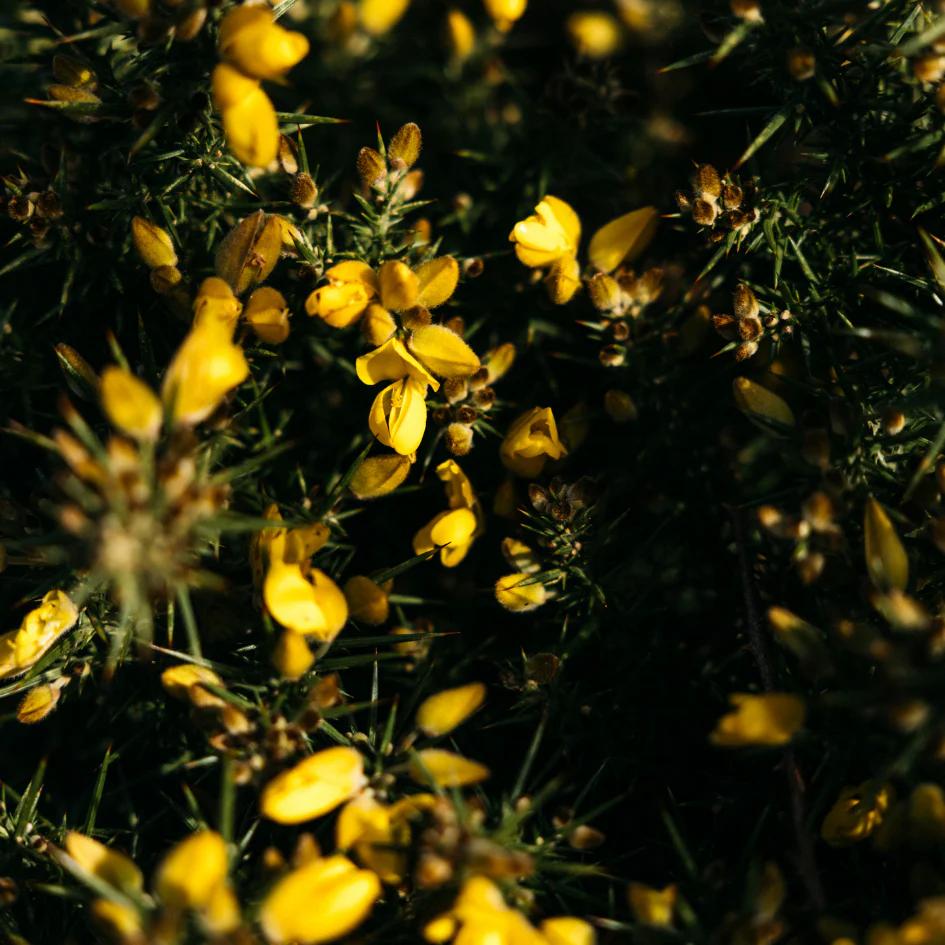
(472, 472)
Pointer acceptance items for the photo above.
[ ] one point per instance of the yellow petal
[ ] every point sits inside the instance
(122, 922)
(292, 655)
(367, 601)
(563, 280)
(40, 629)
(520, 593)
(257, 46)
(652, 906)
(399, 286)
(441, 713)
(594, 33)
(886, 559)
(438, 279)
(443, 352)
(314, 787)
(567, 930)
(758, 401)
(320, 901)
(37, 704)
(314, 607)
(230, 88)
(446, 769)
(769, 719)
(378, 16)
(153, 244)
(130, 404)
(379, 475)
(505, 12)
(623, 239)
(390, 362)
(178, 681)
(215, 302)
(252, 129)
(339, 304)
(110, 866)
(268, 315)
(205, 369)
(398, 416)
(190, 874)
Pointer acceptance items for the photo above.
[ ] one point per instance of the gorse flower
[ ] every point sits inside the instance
(253, 47)
(856, 814)
(454, 530)
(530, 442)
(39, 630)
(770, 719)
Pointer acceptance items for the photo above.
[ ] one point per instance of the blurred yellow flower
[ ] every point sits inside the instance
(652, 906)
(856, 813)
(108, 865)
(38, 631)
(192, 871)
(153, 244)
(249, 118)
(530, 442)
(268, 315)
(379, 16)
(320, 901)
(367, 600)
(207, 366)
(886, 558)
(461, 35)
(439, 714)
(594, 33)
(445, 769)
(505, 12)
(250, 40)
(130, 404)
(314, 786)
(769, 719)
(215, 302)
(292, 655)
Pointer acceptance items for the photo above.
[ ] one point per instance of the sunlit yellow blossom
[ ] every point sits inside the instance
(594, 33)
(249, 118)
(153, 244)
(215, 302)
(130, 404)
(378, 16)
(398, 416)
(441, 713)
(367, 601)
(108, 865)
(351, 287)
(207, 366)
(191, 873)
(454, 530)
(446, 769)
(520, 592)
(552, 232)
(652, 906)
(311, 604)
(530, 442)
(442, 351)
(320, 901)
(268, 315)
(118, 920)
(770, 719)
(314, 787)
(392, 361)
(254, 43)
(38, 631)
(505, 12)
(623, 239)
(856, 813)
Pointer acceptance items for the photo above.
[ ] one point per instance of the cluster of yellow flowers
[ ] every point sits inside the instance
(253, 47)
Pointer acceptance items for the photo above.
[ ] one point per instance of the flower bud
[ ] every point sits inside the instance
(304, 193)
(367, 601)
(153, 244)
(404, 148)
(886, 559)
(758, 401)
(371, 167)
(379, 475)
(249, 252)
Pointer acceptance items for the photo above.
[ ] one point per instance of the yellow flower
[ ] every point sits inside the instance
(441, 713)
(520, 592)
(530, 442)
(379, 475)
(623, 239)
(39, 630)
(351, 287)
(268, 315)
(552, 232)
(312, 605)
(256, 45)
(856, 813)
(153, 244)
(380, 834)
(207, 366)
(567, 930)
(379, 16)
(190, 875)
(454, 530)
(594, 33)
(398, 416)
(122, 922)
(563, 279)
(769, 719)
(505, 12)
(322, 900)
(759, 402)
(442, 351)
(886, 559)
(249, 119)
(215, 302)
(461, 35)
(291, 655)
(367, 601)
(130, 404)
(186, 681)
(314, 787)
(652, 906)
(108, 865)
(445, 769)
(39, 702)
(392, 361)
